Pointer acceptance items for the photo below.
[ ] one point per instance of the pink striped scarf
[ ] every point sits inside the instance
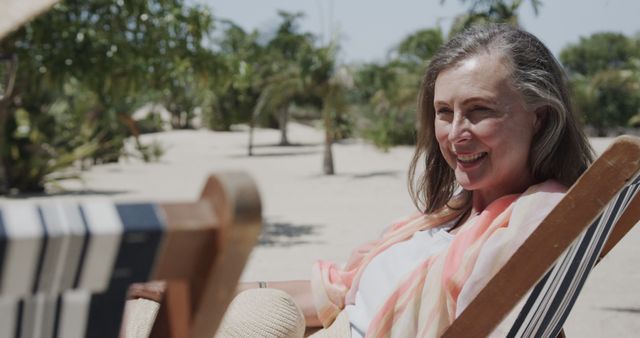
(429, 298)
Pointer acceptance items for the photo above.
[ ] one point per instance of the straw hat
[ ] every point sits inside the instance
(267, 313)
(340, 328)
(15, 13)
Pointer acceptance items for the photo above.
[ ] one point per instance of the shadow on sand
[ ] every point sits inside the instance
(276, 154)
(361, 175)
(65, 193)
(289, 145)
(373, 174)
(633, 310)
(282, 234)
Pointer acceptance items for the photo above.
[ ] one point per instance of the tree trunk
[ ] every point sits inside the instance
(251, 126)
(5, 98)
(327, 162)
(4, 174)
(254, 117)
(283, 121)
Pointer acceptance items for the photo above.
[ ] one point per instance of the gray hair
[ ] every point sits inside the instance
(560, 149)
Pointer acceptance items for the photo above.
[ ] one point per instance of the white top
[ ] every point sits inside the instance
(382, 275)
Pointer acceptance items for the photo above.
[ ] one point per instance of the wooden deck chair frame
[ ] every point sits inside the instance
(199, 248)
(605, 179)
(228, 220)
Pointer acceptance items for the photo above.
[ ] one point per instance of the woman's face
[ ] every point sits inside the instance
(482, 126)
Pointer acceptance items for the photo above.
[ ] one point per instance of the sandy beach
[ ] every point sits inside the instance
(310, 216)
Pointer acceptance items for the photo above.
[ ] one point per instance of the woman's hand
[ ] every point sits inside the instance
(153, 290)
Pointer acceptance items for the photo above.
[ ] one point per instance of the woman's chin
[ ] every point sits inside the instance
(465, 182)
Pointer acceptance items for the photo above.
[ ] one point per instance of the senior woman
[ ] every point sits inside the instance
(498, 145)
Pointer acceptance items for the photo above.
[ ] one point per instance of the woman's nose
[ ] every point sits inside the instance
(459, 130)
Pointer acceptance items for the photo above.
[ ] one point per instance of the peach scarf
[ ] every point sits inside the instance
(429, 298)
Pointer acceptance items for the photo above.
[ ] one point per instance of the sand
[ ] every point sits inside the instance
(310, 216)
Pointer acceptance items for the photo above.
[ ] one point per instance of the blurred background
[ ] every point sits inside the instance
(316, 100)
(86, 76)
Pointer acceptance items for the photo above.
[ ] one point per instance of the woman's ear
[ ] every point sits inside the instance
(540, 115)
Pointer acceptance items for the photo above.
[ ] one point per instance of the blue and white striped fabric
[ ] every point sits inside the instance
(551, 300)
(65, 266)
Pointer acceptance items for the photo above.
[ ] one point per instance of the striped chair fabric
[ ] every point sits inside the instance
(65, 266)
(551, 300)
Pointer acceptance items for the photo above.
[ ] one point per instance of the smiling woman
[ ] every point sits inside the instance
(498, 145)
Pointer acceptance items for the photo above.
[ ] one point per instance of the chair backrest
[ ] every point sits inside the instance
(561, 252)
(549, 303)
(65, 266)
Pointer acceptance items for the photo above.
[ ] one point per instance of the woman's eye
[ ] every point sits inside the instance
(481, 109)
(443, 111)
(481, 112)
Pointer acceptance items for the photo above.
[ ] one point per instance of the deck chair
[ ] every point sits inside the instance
(65, 266)
(552, 265)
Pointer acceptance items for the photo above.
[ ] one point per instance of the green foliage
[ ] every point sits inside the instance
(115, 55)
(42, 149)
(421, 45)
(489, 6)
(600, 51)
(294, 71)
(608, 99)
(85, 66)
(606, 79)
(391, 128)
(386, 93)
(489, 11)
(634, 121)
(389, 93)
(233, 93)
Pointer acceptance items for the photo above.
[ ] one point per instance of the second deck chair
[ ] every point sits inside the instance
(66, 265)
(554, 262)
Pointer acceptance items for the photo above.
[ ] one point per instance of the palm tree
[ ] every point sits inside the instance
(277, 94)
(330, 83)
(487, 11)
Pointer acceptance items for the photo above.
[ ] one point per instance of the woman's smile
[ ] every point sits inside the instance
(466, 159)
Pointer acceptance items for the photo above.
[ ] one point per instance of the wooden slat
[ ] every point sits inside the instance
(190, 243)
(579, 207)
(174, 315)
(235, 200)
(188, 250)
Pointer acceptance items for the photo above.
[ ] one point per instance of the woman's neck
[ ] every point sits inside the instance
(481, 199)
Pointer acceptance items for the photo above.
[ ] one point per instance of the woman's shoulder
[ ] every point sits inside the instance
(538, 200)
(546, 187)
(545, 194)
